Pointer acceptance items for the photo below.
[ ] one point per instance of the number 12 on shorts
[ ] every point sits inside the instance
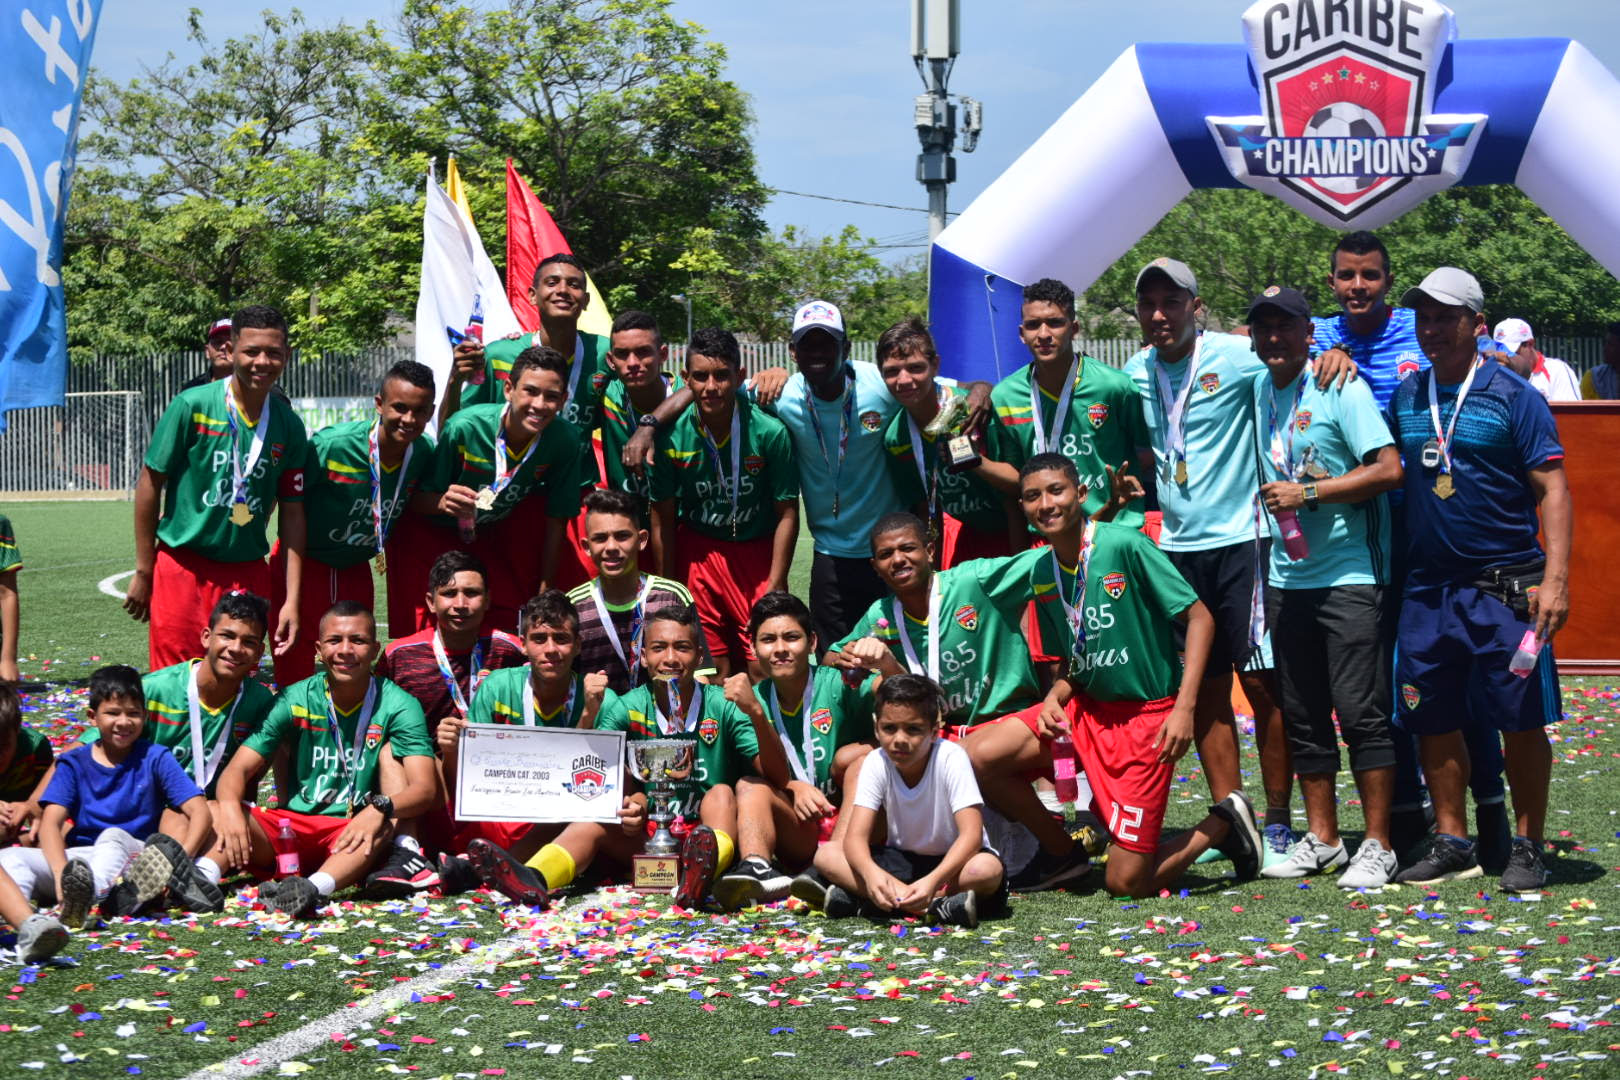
(1124, 826)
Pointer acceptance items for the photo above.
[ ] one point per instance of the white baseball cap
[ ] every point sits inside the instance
(1450, 286)
(1511, 333)
(818, 315)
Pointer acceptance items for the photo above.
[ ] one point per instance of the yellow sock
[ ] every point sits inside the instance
(726, 848)
(554, 864)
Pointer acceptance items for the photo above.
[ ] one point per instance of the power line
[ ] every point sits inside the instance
(853, 202)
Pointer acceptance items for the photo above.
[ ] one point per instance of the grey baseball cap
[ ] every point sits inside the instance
(1448, 285)
(1177, 272)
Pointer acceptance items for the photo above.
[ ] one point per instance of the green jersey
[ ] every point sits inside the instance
(588, 376)
(1132, 595)
(193, 446)
(981, 659)
(727, 489)
(338, 487)
(549, 465)
(1101, 425)
(619, 421)
(31, 759)
(964, 496)
(10, 557)
(507, 697)
(333, 753)
(812, 731)
(726, 744)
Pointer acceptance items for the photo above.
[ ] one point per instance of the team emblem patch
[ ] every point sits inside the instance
(1302, 422)
(1209, 382)
(1410, 695)
(709, 729)
(871, 421)
(752, 464)
(374, 735)
(967, 617)
(599, 381)
(1114, 584)
(1097, 413)
(822, 720)
(1405, 364)
(589, 776)
(1272, 290)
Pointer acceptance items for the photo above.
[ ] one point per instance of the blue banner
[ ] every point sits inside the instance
(46, 44)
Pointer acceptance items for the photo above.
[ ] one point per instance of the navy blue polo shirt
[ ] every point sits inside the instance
(1505, 430)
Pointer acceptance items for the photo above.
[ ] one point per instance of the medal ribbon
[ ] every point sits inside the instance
(1175, 411)
(1456, 410)
(632, 663)
(844, 420)
(531, 702)
(380, 516)
(351, 757)
(503, 475)
(203, 769)
(930, 479)
(242, 472)
(1076, 612)
(571, 407)
(448, 674)
(734, 487)
(693, 710)
(1282, 455)
(1045, 443)
(802, 764)
(912, 662)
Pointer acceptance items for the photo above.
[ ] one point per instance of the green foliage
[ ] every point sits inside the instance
(1239, 241)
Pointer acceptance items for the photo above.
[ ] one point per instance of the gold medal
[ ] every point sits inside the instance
(240, 514)
(380, 562)
(1443, 486)
(1181, 472)
(485, 499)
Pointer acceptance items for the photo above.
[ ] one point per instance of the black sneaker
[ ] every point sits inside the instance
(78, 893)
(145, 878)
(1526, 872)
(456, 875)
(405, 874)
(267, 892)
(296, 896)
(121, 901)
(699, 854)
(958, 909)
(751, 881)
(840, 903)
(811, 887)
(1444, 861)
(496, 868)
(1495, 842)
(1409, 832)
(1048, 871)
(192, 892)
(1243, 841)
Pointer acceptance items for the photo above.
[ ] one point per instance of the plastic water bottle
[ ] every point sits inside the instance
(1524, 660)
(1293, 536)
(468, 527)
(1064, 768)
(285, 846)
(475, 332)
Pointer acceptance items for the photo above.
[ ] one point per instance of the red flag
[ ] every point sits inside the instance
(531, 235)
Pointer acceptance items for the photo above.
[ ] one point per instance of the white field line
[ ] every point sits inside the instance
(109, 585)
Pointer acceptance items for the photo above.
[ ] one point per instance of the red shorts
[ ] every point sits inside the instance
(185, 588)
(1130, 786)
(323, 586)
(315, 834)
(412, 546)
(725, 577)
(961, 543)
(438, 830)
(1153, 525)
(1030, 718)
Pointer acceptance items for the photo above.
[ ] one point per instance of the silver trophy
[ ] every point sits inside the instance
(659, 764)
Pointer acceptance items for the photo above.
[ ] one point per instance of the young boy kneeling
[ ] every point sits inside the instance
(933, 860)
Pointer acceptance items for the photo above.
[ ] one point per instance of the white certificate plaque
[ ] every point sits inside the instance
(507, 772)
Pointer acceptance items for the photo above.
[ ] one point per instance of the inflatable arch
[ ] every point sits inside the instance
(1369, 107)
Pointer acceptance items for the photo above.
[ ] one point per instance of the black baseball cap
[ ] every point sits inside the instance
(1287, 301)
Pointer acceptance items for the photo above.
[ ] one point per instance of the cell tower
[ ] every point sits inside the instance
(935, 41)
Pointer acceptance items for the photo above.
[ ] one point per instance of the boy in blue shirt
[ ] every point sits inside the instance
(115, 791)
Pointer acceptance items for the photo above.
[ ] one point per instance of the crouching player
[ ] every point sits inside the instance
(1128, 707)
(339, 727)
(824, 726)
(931, 860)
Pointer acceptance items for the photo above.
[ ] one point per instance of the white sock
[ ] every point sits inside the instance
(409, 843)
(209, 869)
(324, 883)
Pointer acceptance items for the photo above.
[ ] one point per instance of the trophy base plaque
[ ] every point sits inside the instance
(655, 873)
(960, 455)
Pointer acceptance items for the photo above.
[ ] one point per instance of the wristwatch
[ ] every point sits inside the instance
(381, 803)
(647, 420)
(1309, 493)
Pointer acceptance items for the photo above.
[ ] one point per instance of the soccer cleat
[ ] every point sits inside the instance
(39, 938)
(1526, 871)
(497, 869)
(267, 892)
(1093, 839)
(699, 854)
(1243, 842)
(296, 896)
(1373, 867)
(1308, 856)
(958, 909)
(1279, 841)
(1444, 861)
(151, 871)
(1048, 871)
(78, 892)
(812, 888)
(751, 881)
(405, 874)
(190, 891)
(456, 875)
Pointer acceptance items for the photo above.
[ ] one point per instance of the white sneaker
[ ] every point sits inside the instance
(1309, 856)
(1373, 867)
(39, 938)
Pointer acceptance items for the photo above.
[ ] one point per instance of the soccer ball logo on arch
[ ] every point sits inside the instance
(1348, 134)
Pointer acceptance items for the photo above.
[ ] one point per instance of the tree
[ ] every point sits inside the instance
(245, 176)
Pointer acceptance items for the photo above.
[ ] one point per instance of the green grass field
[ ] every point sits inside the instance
(1289, 979)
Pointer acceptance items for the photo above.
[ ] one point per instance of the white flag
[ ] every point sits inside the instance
(458, 279)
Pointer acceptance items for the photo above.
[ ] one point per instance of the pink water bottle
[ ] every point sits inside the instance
(468, 527)
(286, 849)
(1524, 660)
(1065, 764)
(1294, 541)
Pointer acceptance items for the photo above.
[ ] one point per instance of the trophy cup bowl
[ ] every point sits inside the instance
(659, 764)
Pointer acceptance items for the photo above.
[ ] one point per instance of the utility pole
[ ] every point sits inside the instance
(935, 41)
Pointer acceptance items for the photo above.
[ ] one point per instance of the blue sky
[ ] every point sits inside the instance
(832, 82)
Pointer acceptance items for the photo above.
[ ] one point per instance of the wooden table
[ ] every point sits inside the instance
(1589, 644)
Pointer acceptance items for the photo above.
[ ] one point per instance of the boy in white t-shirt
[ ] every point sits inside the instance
(933, 862)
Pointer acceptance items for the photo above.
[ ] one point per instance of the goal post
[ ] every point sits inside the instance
(90, 447)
